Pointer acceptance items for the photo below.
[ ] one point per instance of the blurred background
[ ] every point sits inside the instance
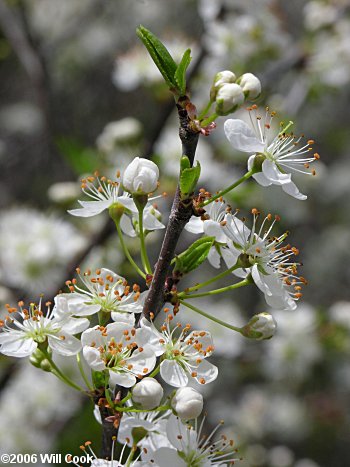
(79, 93)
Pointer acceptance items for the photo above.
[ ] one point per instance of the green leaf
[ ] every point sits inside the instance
(180, 74)
(188, 180)
(160, 55)
(194, 255)
(185, 163)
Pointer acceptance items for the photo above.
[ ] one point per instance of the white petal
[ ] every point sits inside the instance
(92, 335)
(122, 379)
(242, 137)
(127, 318)
(75, 304)
(166, 457)
(93, 358)
(90, 208)
(179, 435)
(261, 179)
(128, 203)
(127, 227)
(141, 361)
(272, 173)
(202, 337)
(147, 337)
(173, 374)
(195, 225)
(13, 344)
(75, 325)
(292, 190)
(214, 258)
(230, 256)
(130, 305)
(150, 222)
(214, 229)
(68, 346)
(207, 371)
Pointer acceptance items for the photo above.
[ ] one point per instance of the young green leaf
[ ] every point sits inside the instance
(180, 74)
(160, 55)
(188, 180)
(194, 255)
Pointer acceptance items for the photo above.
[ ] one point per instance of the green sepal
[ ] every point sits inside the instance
(194, 255)
(160, 55)
(180, 74)
(188, 178)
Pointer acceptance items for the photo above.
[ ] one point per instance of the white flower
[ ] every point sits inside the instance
(183, 357)
(141, 176)
(148, 393)
(209, 224)
(106, 291)
(250, 85)
(117, 348)
(152, 428)
(191, 448)
(228, 98)
(151, 221)
(104, 194)
(266, 259)
(25, 328)
(187, 403)
(260, 326)
(282, 156)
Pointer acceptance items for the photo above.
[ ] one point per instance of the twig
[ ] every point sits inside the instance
(180, 214)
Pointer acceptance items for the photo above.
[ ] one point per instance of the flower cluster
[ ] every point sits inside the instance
(145, 377)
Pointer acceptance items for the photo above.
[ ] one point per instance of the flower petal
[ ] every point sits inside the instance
(195, 225)
(173, 374)
(214, 229)
(214, 258)
(242, 137)
(122, 379)
(90, 208)
(14, 344)
(206, 371)
(164, 457)
(292, 190)
(272, 173)
(93, 358)
(66, 346)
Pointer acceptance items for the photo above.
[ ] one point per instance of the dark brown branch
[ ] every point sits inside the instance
(180, 214)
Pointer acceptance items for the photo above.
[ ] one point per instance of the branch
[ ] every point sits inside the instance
(180, 214)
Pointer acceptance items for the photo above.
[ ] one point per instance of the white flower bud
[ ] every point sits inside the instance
(148, 393)
(261, 326)
(228, 98)
(141, 176)
(223, 77)
(187, 403)
(250, 84)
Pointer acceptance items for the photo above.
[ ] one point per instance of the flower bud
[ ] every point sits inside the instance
(148, 393)
(228, 98)
(140, 176)
(187, 403)
(223, 77)
(250, 84)
(261, 326)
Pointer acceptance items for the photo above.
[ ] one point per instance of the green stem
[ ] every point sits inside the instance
(83, 374)
(127, 253)
(213, 279)
(205, 110)
(155, 372)
(57, 372)
(229, 188)
(212, 318)
(144, 256)
(210, 119)
(216, 291)
(126, 398)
